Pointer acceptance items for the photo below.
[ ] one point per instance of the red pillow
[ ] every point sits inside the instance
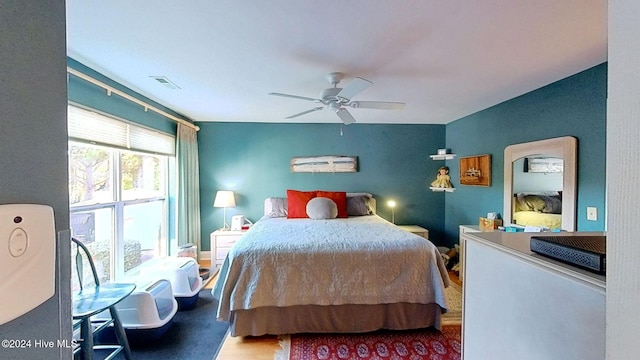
(338, 197)
(297, 203)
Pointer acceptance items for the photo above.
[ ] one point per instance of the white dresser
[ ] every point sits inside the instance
(520, 305)
(221, 243)
(463, 230)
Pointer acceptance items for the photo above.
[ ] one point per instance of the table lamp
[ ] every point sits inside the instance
(224, 199)
(392, 205)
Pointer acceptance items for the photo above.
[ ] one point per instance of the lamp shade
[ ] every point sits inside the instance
(224, 198)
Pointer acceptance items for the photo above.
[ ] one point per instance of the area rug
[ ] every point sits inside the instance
(427, 344)
(195, 334)
(454, 300)
(395, 345)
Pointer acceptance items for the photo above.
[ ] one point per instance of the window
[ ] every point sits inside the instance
(118, 198)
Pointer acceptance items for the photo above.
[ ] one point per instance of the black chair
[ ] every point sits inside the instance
(92, 300)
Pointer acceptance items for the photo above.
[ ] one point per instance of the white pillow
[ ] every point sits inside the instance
(322, 208)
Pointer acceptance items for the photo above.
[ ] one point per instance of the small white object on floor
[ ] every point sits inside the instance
(456, 268)
(443, 253)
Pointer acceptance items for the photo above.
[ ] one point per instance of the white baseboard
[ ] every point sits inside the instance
(205, 255)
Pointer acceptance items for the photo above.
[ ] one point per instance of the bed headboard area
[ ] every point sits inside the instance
(358, 204)
(545, 202)
(538, 209)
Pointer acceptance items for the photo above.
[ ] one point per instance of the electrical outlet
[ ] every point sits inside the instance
(592, 213)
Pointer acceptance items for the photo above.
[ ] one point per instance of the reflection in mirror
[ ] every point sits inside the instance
(537, 189)
(540, 183)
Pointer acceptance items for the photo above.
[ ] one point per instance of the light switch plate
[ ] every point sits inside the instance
(592, 213)
(27, 258)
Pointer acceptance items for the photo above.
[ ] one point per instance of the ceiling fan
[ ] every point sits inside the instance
(338, 99)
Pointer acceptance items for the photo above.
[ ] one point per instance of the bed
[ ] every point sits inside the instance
(538, 209)
(346, 274)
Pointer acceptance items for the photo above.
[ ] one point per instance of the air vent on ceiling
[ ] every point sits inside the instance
(165, 82)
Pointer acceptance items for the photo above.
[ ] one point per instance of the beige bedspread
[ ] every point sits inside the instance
(359, 260)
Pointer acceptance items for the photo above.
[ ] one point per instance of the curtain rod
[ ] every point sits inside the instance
(111, 89)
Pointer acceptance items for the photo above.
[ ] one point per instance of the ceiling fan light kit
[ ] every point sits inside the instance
(336, 99)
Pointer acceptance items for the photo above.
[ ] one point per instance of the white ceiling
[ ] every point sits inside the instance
(444, 59)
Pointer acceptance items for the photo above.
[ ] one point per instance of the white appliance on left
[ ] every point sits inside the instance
(27, 258)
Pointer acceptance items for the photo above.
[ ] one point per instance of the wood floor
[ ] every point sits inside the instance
(262, 347)
(241, 348)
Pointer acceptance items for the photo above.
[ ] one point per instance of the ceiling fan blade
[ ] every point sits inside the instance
(345, 116)
(294, 96)
(383, 105)
(305, 112)
(353, 88)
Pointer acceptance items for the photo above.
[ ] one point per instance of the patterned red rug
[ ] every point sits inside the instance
(428, 344)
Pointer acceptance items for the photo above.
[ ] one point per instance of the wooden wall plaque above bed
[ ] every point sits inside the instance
(325, 164)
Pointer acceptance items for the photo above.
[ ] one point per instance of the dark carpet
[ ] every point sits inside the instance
(195, 334)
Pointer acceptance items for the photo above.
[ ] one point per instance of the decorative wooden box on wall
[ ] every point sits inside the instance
(475, 170)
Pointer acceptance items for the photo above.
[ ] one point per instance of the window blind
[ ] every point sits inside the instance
(95, 127)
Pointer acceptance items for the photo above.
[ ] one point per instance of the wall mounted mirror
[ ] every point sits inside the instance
(540, 181)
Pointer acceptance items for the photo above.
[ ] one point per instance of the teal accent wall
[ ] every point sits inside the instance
(252, 159)
(95, 97)
(574, 106)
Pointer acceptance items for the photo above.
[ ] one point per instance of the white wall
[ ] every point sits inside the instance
(529, 181)
(623, 175)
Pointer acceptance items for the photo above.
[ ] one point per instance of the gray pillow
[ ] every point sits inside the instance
(552, 205)
(322, 208)
(278, 207)
(358, 205)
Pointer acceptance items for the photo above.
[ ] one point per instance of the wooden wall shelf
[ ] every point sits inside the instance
(442, 189)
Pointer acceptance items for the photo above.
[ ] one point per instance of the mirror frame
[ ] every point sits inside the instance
(562, 147)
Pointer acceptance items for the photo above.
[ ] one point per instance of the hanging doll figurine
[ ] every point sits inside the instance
(442, 179)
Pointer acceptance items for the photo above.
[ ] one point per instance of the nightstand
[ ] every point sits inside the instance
(221, 243)
(416, 230)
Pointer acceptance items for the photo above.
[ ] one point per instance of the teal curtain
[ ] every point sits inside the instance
(188, 194)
